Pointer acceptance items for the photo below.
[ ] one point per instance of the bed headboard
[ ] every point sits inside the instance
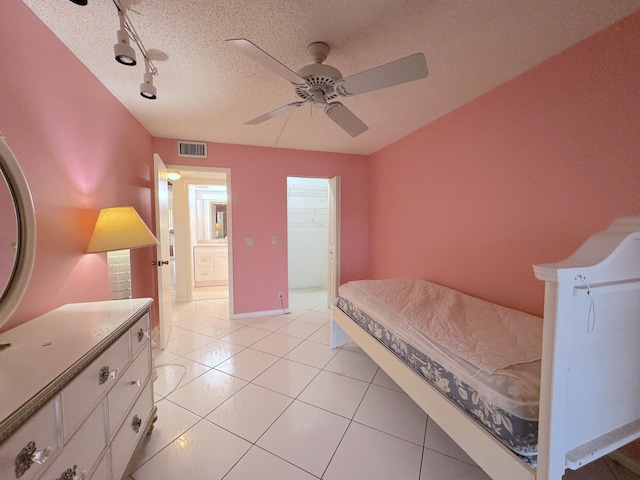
(590, 386)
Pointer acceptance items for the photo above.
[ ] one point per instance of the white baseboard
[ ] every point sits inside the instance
(233, 316)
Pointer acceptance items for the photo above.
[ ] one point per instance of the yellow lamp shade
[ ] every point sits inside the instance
(120, 228)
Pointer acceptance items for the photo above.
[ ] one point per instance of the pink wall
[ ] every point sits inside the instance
(80, 150)
(259, 202)
(522, 175)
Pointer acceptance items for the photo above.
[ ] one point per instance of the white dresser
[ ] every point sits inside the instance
(76, 391)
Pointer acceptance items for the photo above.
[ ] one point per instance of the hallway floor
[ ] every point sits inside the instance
(266, 398)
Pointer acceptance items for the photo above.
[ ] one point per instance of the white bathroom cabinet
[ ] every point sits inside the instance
(210, 265)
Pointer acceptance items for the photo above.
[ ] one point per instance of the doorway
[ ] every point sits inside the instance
(308, 230)
(202, 226)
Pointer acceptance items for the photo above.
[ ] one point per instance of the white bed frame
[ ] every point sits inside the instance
(590, 389)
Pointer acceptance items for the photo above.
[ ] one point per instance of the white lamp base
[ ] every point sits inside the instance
(119, 265)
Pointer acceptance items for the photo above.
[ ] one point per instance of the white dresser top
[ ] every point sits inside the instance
(48, 351)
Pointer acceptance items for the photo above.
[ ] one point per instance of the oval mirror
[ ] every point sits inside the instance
(17, 235)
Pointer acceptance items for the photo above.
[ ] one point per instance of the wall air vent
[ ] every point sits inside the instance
(192, 149)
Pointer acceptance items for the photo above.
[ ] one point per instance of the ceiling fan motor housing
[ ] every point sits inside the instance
(320, 79)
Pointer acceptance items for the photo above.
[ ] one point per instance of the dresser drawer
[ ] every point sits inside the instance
(131, 431)
(38, 439)
(127, 388)
(83, 393)
(103, 470)
(140, 334)
(84, 449)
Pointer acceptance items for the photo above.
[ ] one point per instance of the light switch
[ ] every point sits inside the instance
(274, 240)
(248, 240)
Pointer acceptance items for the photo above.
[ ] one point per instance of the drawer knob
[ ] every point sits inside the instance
(137, 382)
(28, 456)
(70, 474)
(41, 456)
(136, 423)
(142, 333)
(103, 376)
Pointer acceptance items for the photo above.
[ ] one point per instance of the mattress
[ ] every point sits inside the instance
(457, 343)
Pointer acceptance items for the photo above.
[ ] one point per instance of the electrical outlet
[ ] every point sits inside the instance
(280, 295)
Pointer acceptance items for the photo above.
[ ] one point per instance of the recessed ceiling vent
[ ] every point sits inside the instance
(192, 149)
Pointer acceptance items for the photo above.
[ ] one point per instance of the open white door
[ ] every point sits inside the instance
(334, 238)
(162, 253)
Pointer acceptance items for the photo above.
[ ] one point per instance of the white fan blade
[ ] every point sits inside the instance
(274, 113)
(407, 69)
(345, 119)
(263, 58)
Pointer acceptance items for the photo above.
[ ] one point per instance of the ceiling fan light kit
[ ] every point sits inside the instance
(320, 84)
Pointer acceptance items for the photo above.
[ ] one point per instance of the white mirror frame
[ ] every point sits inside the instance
(26, 246)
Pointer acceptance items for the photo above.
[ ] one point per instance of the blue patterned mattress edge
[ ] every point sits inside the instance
(517, 434)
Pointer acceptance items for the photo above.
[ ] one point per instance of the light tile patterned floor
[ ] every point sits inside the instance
(265, 398)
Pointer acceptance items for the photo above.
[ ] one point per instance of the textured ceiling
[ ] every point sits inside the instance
(207, 89)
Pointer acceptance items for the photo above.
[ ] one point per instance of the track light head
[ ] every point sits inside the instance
(147, 90)
(124, 52)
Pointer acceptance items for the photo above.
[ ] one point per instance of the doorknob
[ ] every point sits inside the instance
(159, 263)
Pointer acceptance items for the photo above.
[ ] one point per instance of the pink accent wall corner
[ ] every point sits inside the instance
(519, 176)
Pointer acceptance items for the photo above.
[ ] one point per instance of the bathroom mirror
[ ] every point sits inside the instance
(209, 202)
(211, 221)
(17, 233)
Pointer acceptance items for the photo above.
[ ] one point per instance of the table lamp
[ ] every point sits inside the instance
(117, 230)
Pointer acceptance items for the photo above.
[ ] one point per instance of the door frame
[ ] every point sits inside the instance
(333, 251)
(333, 281)
(181, 229)
(161, 206)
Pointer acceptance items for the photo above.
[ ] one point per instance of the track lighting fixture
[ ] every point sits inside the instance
(123, 50)
(147, 90)
(126, 55)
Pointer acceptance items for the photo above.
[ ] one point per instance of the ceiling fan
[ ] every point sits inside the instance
(320, 84)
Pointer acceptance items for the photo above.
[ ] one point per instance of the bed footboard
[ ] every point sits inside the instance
(590, 390)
